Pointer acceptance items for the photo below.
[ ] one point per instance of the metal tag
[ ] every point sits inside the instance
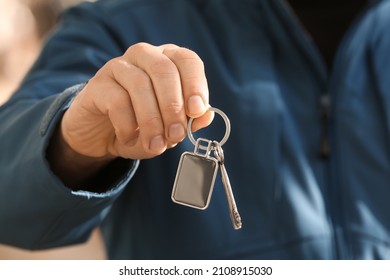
(195, 177)
(194, 181)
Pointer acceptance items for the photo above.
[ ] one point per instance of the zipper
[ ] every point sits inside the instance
(332, 166)
(324, 150)
(311, 53)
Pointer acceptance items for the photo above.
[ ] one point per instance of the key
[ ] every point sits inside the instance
(233, 210)
(195, 177)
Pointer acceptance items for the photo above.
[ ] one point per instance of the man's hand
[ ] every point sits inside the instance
(135, 107)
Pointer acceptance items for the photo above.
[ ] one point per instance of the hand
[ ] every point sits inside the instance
(136, 106)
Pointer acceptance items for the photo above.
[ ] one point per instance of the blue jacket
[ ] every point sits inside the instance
(265, 73)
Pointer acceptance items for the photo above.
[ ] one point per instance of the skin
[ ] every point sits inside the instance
(135, 107)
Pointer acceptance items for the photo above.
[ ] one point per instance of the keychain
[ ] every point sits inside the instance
(197, 171)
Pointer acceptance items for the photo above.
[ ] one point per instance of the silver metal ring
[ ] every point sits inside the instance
(226, 120)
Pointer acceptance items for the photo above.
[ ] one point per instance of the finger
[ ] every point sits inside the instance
(193, 79)
(144, 104)
(166, 83)
(114, 101)
(203, 121)
(122, 117)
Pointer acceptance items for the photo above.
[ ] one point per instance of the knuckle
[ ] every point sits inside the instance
(115, 63)
(184, 54)
(127, 137)
(141, 80)
(138, 47)
(174, 108)
(169, 46)
(163, 66)
(116, 66)
(151, 122)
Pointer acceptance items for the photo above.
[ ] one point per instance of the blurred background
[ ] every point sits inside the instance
(24, 26)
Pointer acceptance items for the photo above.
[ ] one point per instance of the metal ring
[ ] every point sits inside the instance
(225, 118)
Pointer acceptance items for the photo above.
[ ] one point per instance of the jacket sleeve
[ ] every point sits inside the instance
(36, 210)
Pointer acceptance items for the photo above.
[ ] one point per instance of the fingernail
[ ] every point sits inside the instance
(176, 131)
(195, 105)
(157, 144)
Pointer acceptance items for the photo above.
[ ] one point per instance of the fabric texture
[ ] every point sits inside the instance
(267, 75)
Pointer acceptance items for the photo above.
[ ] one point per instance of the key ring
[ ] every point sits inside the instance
(227, 123)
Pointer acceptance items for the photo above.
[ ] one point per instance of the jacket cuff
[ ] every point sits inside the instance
(37, 210)
(48, 127)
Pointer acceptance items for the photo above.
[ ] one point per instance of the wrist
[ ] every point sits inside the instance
(74, 169)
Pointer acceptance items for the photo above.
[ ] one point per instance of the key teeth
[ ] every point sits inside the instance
(236, 219)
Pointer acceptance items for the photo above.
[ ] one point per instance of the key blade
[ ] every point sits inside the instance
(236, 219)
(233, 210)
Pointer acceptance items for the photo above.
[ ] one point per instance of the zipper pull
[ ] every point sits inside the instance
(324, 114)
